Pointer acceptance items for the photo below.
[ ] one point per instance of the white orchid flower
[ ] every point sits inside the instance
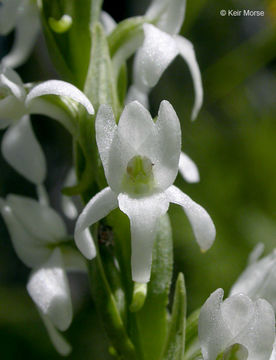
(160, 47)
(38, 236)
(140, 159)
(237, 321)
(259, 280)
(19, 146)
(21, 15)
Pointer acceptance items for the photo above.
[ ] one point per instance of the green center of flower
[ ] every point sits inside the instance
(3, 92)
(138, 178)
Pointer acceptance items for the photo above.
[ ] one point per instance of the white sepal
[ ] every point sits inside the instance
(97, 208)
(186, 50)
(48, 287)
(259, 280)
(26, 31)
(188, 169)
(60, 88)
(201, 222)
(169, 14)
(22, 151)
(59, 342)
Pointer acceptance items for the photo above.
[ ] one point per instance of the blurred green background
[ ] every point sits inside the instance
(233, 142)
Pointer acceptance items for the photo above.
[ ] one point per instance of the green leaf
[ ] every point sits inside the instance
(100, 86)
(234, 352)
(175, 345)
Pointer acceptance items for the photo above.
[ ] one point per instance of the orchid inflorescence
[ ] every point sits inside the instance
(124, 159)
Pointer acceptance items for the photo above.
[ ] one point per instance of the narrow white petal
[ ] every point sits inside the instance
(43, 106)
(214, 334)
(16, 89)
(135, 94)
(30, 250)
(8, 15)
(40, 221)
(48, 287)
(23, 152)
(169, 141)
(158, 51)
(26, 31)
(259, 280)
(97, 208)
(202, 225)
(12, 76)
(170, 14)
(85, 243)
(105, 132)
(143, 214)
(60, 343)
(108, 22)
(186, 50)
(60, 88)
(256, 253)
(188, 169)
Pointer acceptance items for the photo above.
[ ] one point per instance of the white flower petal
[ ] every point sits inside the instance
(40, 221)
(26, 31)
(44, 107)
(237, 311)
(8, 15)
(170, 14)
(237, 320)
(202, 225)
(48, 287)
(169, 141)
(105, 132)
(60, 343)
(135, 94)
(16, 89)
(213, 333)
(186, 50)
(23, 152)
(29, 250)
(256, 253)
(188, 168)
(259, 280)
(143, 214)
(158, 51)
(85, 243)
(97, 208)
(60, 88)
(137, 128)
(135, 135)
(259, 334)
(108, 22)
